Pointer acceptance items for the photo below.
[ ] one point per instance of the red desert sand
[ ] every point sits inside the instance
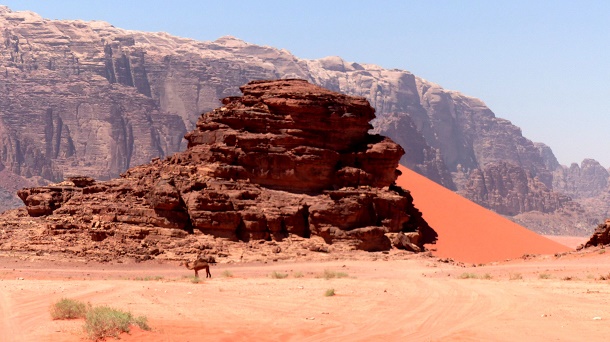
(391, 297)
(419, 299)
(468, 232)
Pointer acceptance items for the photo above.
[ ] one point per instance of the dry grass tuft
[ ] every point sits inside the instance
(329, 293)
(104, 321)
(69, 309)
(277, 275)
(328, 274)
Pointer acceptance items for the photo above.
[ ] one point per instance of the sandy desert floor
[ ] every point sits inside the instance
(544, 298)
(392, 296)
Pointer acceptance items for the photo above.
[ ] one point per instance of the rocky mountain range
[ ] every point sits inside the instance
(87, 98)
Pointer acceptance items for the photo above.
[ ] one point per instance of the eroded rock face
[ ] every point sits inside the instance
(590, 179)
(286, 158)
(600, 237)
(511, 190)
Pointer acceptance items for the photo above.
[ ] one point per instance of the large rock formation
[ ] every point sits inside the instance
(87, 98)
(287, 158)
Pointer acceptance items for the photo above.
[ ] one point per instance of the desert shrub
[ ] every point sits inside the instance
(604, 277)
(104, 321)
(466, 275)
(515, 276)
(227, 274)
(298, 274)
(68, 309)
(149, 278)
(544, 276)
(277, 275)
(328, 274)
(486, 276)
(193, 279)
(329, 292)
(567, 278)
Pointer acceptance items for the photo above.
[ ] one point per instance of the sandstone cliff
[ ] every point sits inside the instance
(285, 159)
(590, 179)
(89, 98)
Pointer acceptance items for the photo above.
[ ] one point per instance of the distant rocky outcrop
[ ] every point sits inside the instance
(87, 98)
(589, 179)
(548, 158)
(600, 237)
(511, 190)
(287, 158)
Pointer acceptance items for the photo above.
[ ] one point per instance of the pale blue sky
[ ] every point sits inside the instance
(544, 65)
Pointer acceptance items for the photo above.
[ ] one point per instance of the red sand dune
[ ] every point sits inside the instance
(468, 232)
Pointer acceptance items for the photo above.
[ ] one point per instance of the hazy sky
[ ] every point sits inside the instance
(544, 65)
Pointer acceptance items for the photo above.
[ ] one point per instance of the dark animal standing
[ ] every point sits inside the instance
(200, 264)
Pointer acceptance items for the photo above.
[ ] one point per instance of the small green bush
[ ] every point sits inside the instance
(104, 321)
(329, 292)
(69, 309)
(277, 275)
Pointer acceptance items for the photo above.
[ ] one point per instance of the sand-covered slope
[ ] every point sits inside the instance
(468, 232)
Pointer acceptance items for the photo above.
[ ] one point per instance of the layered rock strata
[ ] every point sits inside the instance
(287, 158)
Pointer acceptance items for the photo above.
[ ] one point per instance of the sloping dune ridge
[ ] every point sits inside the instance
(468, 232)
